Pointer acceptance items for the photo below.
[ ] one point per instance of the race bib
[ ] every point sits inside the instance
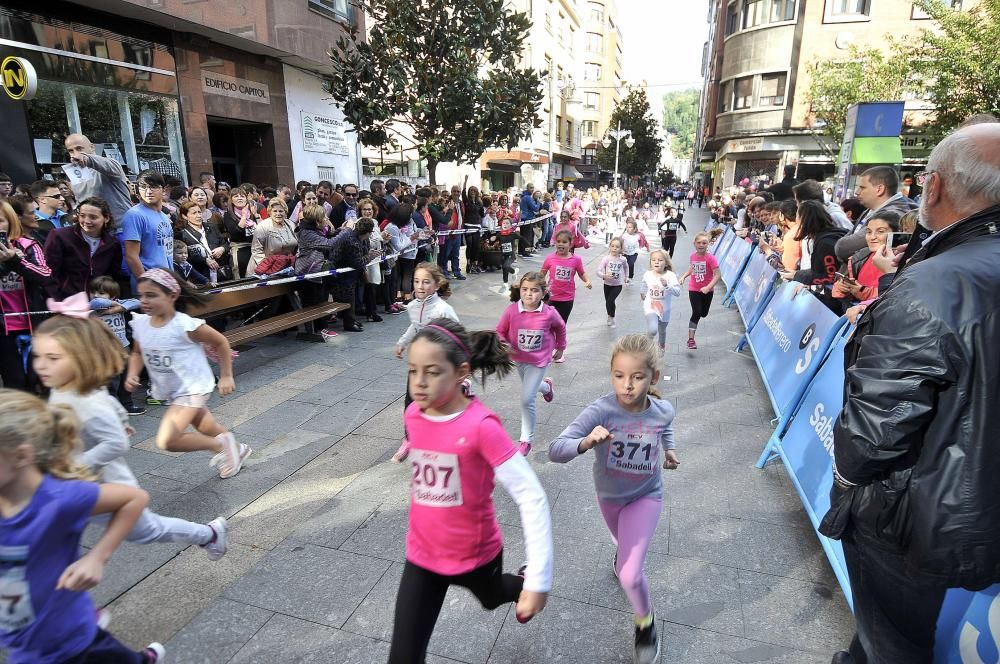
(656, 292)
(637, 454)
(11, 282)
(672, 227)
(506, 247)
(436, 480)
(564, 273)
(16, 610)
(529, 340)
(614, 271)
(698, 269)
(158, 360)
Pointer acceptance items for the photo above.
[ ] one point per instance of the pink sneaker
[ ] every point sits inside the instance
(402, 452)
(552, 391)
(327, 333)
(691, 344)
(524, 447)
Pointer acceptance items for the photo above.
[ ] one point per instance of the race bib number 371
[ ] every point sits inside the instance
(636, 456)
(436, 479)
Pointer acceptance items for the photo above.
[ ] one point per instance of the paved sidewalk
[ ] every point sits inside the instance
(319, 514)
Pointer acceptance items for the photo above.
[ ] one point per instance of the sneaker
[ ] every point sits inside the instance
(135, 410)
(614, 565)
(150, 401)
(460, 276)
(663, 349)
(327, 333)
(154, 652)
(375, 318)
(561, 359)
(613, 324)
(397, 309)
(402, 452)
(691, 344)
(647, 644)
(218, 546)
(552, 392)
(103, 619)
(611, 321)
(232, 456)
(524, 447)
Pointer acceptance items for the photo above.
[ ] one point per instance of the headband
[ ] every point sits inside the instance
(163, 278)
(453, 337)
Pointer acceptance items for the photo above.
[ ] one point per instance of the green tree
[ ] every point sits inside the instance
(664, 177)
(446, 71)
(634, 113)
(866, 75)
(958, 61)
(680, 118)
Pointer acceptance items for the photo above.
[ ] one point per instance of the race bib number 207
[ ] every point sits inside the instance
(436, 479)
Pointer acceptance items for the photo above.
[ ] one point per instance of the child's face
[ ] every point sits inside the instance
(615, 248)
(424, 284)
(701, 244)
(562, 245)
(154, 300)
(631, 379)
(531, 294)
(52, 363)
(101, 295)
(657, 263)
(433, 380)
(631, 227)
(180, 255)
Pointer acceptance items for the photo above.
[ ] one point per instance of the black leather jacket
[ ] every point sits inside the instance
(918, 434)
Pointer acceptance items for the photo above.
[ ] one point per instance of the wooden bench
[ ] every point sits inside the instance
(247, 333)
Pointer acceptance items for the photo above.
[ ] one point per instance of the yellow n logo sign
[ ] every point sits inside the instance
(18, 78)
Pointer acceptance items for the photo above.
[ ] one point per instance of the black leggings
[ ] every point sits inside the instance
(11, 362)
(421, 595)
(669, 242)
(700, 304)
(507, 266)
(563, 309)
(611, 294)
(631, 264)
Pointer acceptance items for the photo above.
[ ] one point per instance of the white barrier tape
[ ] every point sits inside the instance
(480, 230)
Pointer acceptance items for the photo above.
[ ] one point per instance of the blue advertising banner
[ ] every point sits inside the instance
(968, 629)
(789, 340)
(731, 265)
(723, 244)
(754, 288)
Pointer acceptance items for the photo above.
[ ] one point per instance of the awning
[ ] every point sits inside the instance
(570, 173)
(877, 150)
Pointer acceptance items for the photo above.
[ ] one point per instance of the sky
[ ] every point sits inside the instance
(663, 41)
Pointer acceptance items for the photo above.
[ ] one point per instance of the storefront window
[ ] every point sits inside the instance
(137, 129)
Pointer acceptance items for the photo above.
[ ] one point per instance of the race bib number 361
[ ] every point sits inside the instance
(436, 479)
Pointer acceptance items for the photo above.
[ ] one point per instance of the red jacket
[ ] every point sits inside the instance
(68, 255)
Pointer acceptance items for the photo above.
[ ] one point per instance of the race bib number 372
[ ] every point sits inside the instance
(436, 479)
(529, 340)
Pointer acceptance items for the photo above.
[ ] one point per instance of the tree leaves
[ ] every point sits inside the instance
(680, 118)
(634, 113)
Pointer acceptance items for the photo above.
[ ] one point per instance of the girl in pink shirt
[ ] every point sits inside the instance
(533, 330)
(703, 269)
(458, 448)
(561, 269)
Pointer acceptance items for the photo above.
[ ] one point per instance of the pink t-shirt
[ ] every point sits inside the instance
(453, 525)
(702, 269)
(532, 335)
(562, 276)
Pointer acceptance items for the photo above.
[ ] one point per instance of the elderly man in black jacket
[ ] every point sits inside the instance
(916, 500)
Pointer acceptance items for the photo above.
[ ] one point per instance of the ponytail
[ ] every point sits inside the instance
(484, 351)
(52, 430)
(60, 461)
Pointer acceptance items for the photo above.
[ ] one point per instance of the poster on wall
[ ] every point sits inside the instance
(323, 134)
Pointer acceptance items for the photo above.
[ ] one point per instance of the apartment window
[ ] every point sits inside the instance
(754, 13)
(782, 10)
(569, 132)
(596, 12)
(341, 9)
(589, 127)
(572, 40)
(917, 12)
(591, 100)
(742, 93)
(595, 42)
(725, 97)
(558, 129)
(590, 156)
(592, 72)
(562, 37)
(732, 18)
(849, 7)
(772, 90)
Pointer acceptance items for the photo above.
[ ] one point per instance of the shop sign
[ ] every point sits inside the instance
(745, 145)
(323, 134)
(20, 81)
(237, 88)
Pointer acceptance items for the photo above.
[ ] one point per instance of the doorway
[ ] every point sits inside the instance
(242, 151)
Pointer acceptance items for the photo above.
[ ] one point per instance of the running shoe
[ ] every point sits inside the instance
(230, 460)
(561, 359)
(552, 391)
(135, 410)
(611, 321)
(103, 619)
(218, 546)
(397, 309)
(153, 653)
(614, 565)
(327, 333)
(459, 276)
(150, 401)
(402, 452)
(647, 644)
(613, 324)
(692, 345)
(524, 447)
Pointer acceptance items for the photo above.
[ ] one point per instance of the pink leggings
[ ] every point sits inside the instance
(632, 526)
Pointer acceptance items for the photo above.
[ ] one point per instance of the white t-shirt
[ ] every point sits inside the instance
(658, 288)
(177, 365)
(630, 244)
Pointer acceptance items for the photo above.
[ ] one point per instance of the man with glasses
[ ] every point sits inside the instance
(147, 233)
(6, 186)
(347, 209)
(878, 190)
(107, 179)
(49, 213)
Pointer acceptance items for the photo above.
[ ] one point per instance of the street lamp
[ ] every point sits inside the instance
(618, 135)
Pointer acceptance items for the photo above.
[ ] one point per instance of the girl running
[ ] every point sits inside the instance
(703, 269)
(507, 244)
(75, 358)
(626, 430)
(657, 283)
(430, 290)
(533, 331)
(45, 504)
(169, 344)
(612, 271)
(632, 240)
(459, 448)
(562, 269)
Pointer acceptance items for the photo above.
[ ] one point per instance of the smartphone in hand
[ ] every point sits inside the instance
(894, 240)
(3, 238)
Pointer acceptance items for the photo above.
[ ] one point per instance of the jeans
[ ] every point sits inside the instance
(532, 384)
(450, 254)
(152, 527)
(547, 226)
(895, 614)
(507, 266)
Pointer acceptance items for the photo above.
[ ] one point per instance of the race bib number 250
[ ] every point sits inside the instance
(436, 479)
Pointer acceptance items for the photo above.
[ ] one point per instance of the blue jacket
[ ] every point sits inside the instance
(529, 206)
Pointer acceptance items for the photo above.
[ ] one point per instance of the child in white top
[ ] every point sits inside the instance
(169, 344)
(632, 240)
(75, 357)
(658, 282)
(612, 271)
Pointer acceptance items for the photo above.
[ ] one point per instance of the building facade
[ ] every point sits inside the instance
(231, 88)
(755, 113)
(603, 87)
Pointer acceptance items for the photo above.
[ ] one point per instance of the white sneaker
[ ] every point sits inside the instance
(218, 547)
(233, 455)
(154, 652)
(611, 321)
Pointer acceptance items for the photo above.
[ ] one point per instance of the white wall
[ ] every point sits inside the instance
(304, 92)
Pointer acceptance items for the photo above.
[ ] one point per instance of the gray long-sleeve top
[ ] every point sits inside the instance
(108, 183)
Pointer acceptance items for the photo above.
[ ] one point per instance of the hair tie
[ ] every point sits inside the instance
(454, 338)
(160, 276)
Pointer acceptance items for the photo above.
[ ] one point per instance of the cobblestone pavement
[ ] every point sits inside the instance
(318, 514)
